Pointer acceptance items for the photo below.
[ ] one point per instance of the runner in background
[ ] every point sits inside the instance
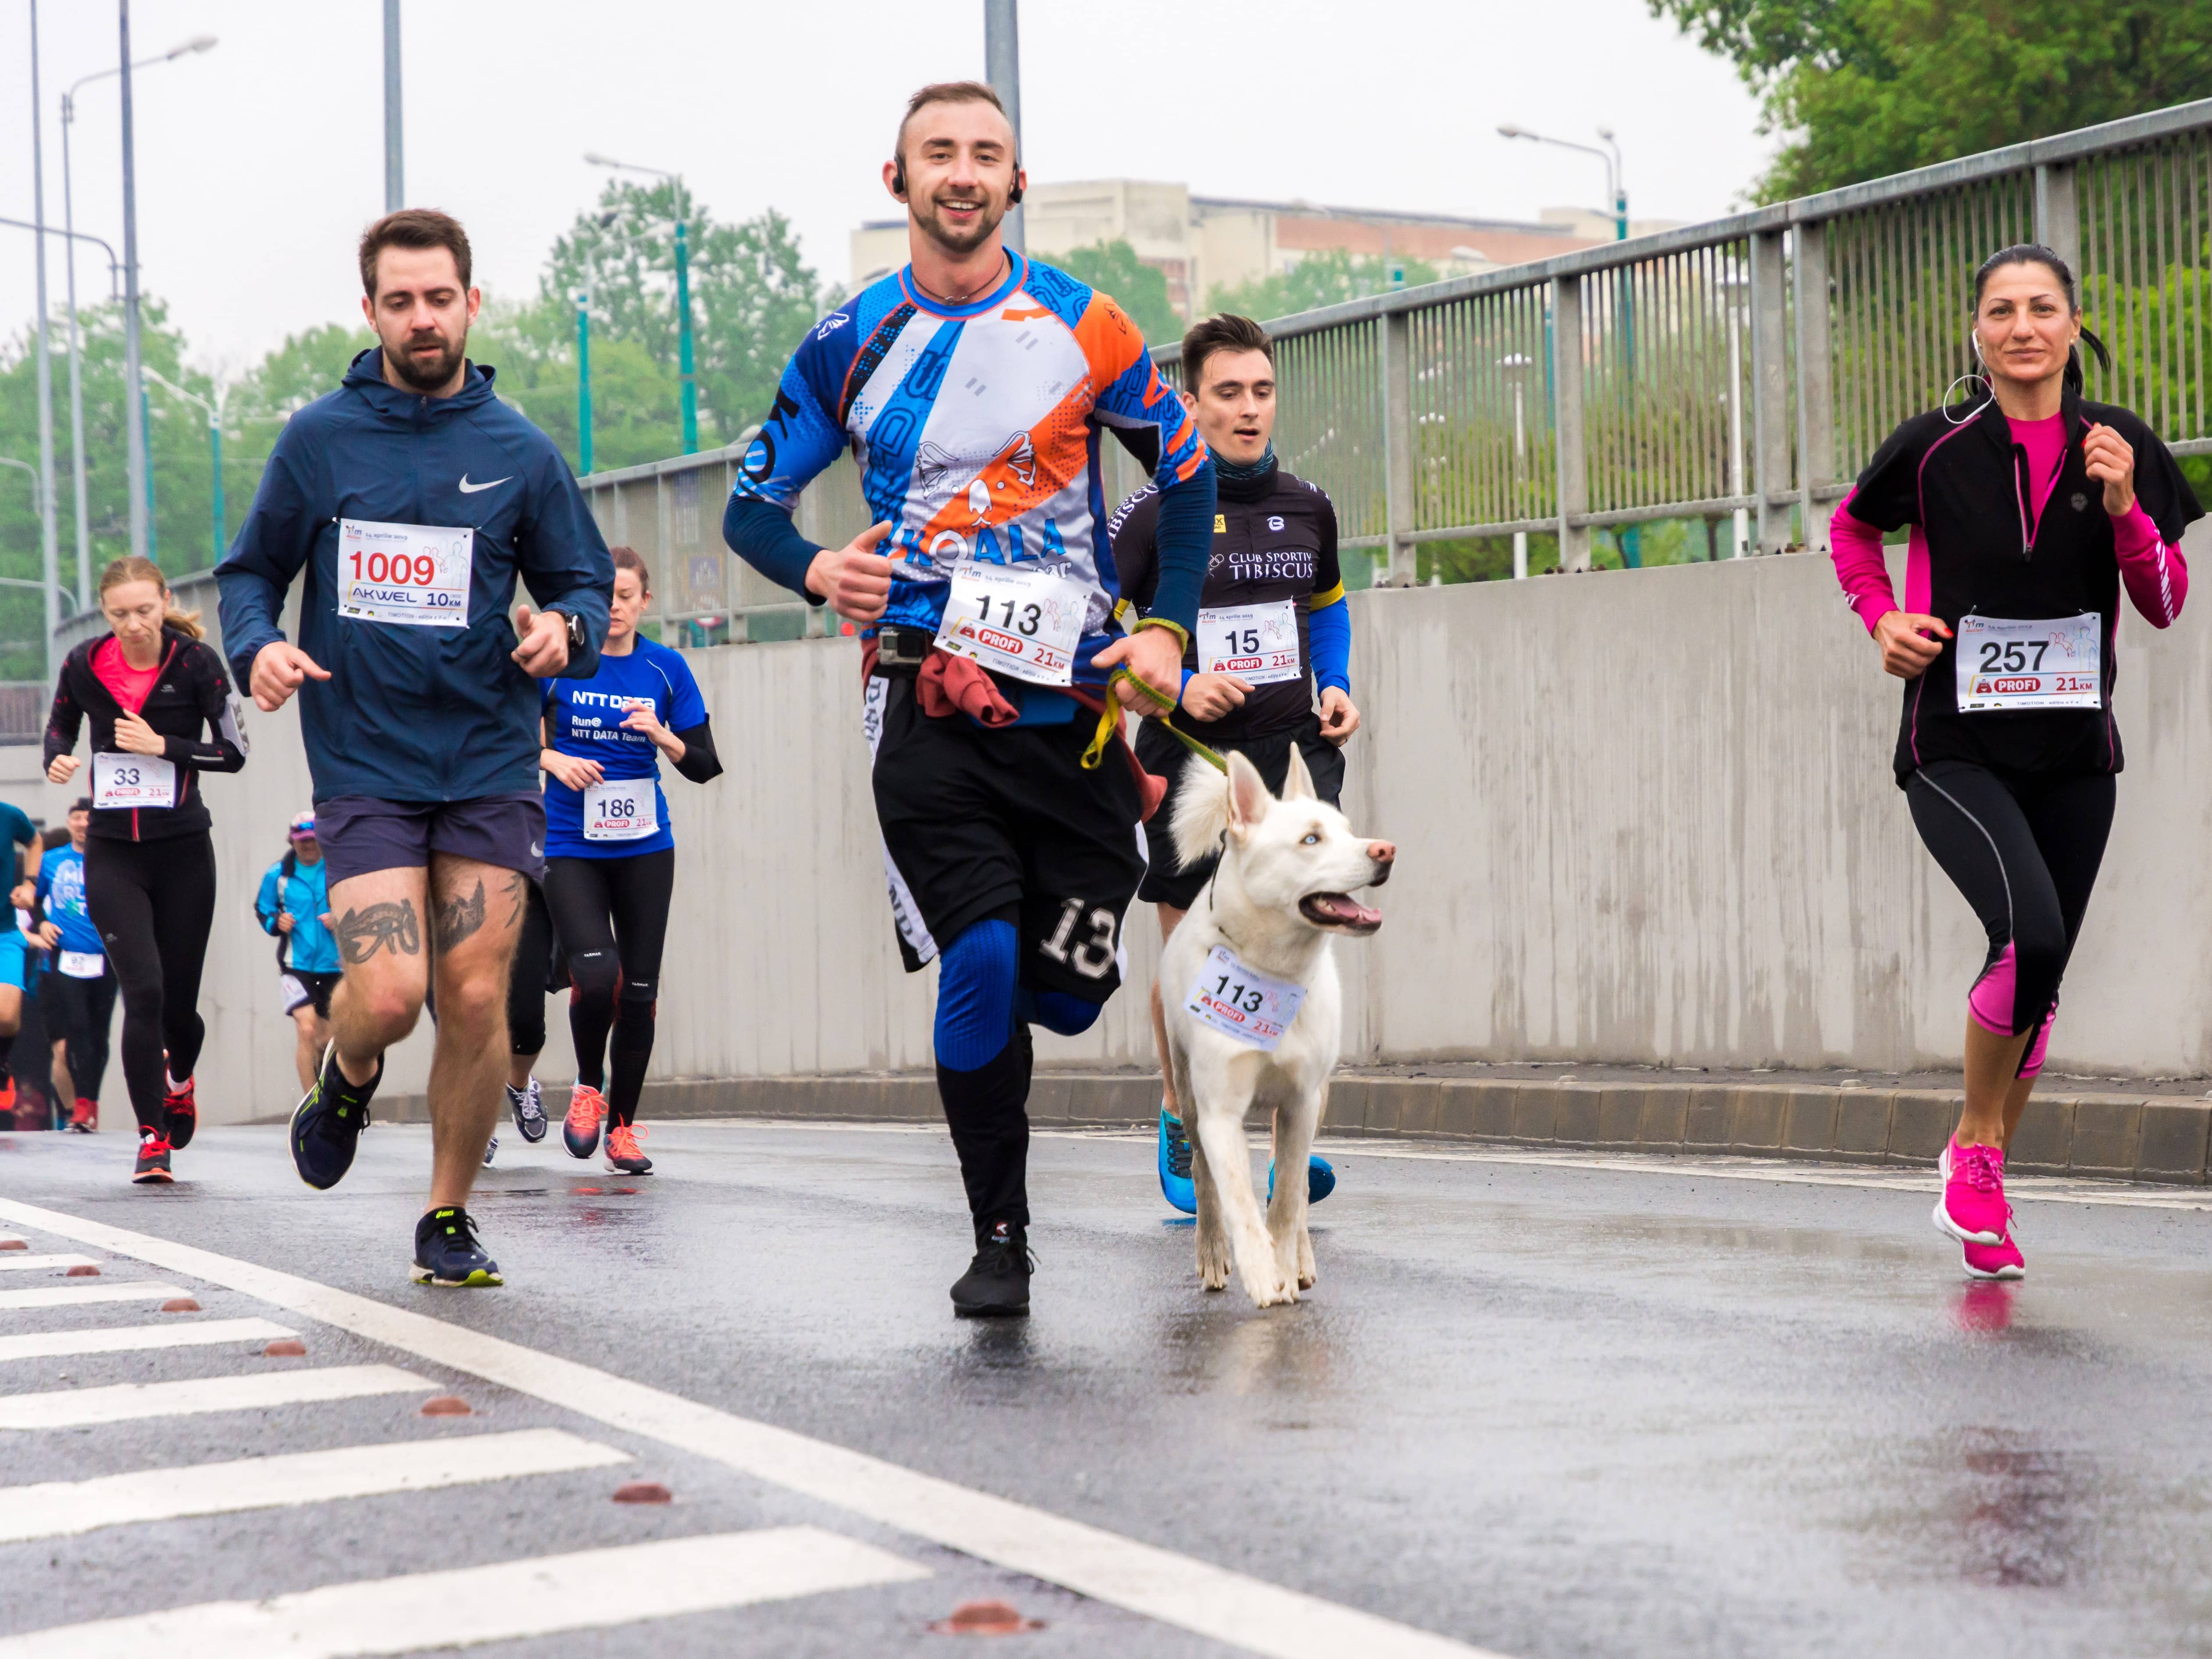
(610, 856)
(21, 835)
(162, 715)
(1273, 627)
(294, 907)
(534, 977)
(38, 1071)
(2030, 508)
(80, 985)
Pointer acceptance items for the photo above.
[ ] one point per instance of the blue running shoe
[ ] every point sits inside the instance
(447, 1252)
(327, 1125)
(1174, 1164)
(1320, 1179)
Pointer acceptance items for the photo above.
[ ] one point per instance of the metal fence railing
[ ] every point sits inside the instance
(1740, 369)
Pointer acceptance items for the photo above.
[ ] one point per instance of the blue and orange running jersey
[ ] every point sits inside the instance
(976, 430)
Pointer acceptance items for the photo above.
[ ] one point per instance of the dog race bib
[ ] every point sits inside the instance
(2053, 664)
(1017, 622)
(621, 809)
(1241, 1002)
(127, 780)
(414, 575)
(1258, 643)
(82, 965)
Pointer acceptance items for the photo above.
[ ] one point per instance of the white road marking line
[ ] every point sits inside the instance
(121, 1403)
(592, 1589)
(1242, 1612)
(129, 1339)
(53, 1509)
(12, 1263)
(70, 1296)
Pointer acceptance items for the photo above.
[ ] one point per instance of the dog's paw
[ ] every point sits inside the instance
(1305, 1261)
(1214, 1263)
(1267, 1291)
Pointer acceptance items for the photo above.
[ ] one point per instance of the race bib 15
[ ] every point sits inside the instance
(1022, 622)
(621, 809)
(1240, 1001)
(120, 780)
(414, 575)
(2051, 664)
(1258, 643)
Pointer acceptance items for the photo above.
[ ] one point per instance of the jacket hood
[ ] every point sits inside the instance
(365, 378)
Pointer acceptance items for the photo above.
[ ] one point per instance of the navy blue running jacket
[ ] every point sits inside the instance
(414, 714)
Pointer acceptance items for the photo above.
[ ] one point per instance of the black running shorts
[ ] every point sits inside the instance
(1165, 884)
(978, 822)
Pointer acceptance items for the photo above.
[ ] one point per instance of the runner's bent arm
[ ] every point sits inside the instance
(266, 555)
(563, 558)
(2147, 537)
(63, 721)
(264, 902)
(225, 751)
(1329, 623)
(794, 446)
(1886, 497)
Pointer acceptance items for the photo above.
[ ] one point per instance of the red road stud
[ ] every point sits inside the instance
(180, 1304)
(986, 1619)
(286, 1347)
(447, 1405)
(82, 1270)
(643, 1492)
(13, 1245)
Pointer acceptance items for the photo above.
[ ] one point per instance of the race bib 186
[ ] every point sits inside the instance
(2051, 664)
(1022, 622)
(621, 809)
(127, 780)
(1258, 643)
(1241, 1002)
(414, 575)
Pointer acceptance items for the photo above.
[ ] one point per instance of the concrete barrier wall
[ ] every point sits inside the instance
(1643, 816)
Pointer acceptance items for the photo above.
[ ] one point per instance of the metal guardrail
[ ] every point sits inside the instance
(1744, 367)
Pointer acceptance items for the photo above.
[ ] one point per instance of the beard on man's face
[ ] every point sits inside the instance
(962, 240)
(427, 371)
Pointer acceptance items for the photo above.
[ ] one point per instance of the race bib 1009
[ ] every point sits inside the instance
(1240, 1001)
(1025, 623)
(120, 780)
(414, 575)
(1258, 643)
(621, 809)
(2051, 664)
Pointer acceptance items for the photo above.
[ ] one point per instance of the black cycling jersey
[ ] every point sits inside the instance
(1274, 538)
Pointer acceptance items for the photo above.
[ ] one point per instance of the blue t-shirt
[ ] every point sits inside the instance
(16, 826)
(61, 889)
(584, 718)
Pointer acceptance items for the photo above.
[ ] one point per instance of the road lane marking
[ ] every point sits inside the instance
(1242, 1612)
(12, 1263)
(592, 1589)
(70, 1296)
(53, 1509)
(129, 1339)
(123, 1402)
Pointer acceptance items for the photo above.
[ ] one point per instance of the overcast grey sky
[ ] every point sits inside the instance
(260, 162)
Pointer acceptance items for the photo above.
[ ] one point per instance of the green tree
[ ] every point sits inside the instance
(1863, 89)
(753, 296)
(1317, 280)
(1141, 290)
(637, 400)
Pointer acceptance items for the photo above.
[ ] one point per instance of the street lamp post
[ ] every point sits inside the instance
(38, 505)
(1517, 365)
(683, 294)
(584, 382)
(215, 450)
(49, 559)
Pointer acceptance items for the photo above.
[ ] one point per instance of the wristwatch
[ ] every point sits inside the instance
(576, 639)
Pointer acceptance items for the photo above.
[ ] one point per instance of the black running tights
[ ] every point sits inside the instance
(612, 917)
(154, 902)
(81, 1011)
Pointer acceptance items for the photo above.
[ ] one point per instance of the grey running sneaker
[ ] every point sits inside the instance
(528, 1106)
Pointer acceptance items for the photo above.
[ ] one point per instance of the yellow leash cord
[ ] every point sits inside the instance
(1109, 722)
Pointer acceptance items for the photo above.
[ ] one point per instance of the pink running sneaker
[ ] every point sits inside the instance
(2000, 1260)
(1972, 1208)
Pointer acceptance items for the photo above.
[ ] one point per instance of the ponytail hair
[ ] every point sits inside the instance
(2034, 253)
(132, 568)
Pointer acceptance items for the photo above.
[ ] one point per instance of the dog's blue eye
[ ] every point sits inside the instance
(1310, 840)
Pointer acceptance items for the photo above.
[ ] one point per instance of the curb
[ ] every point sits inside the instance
(2112, 1136)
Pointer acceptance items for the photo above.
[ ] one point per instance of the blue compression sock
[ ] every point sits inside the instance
(975, 996)
(1056, 1010)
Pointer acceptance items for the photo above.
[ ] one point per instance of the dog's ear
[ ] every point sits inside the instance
(1298, 785)
(1249, 799)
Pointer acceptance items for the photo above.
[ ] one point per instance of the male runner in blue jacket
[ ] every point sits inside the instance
(412, 498)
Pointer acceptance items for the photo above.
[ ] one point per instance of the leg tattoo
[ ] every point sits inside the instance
(390, 926)
(460, 918)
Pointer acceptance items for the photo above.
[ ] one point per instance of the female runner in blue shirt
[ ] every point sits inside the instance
(610, 862)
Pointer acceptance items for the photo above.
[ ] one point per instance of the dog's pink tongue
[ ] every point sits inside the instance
(1349, 911)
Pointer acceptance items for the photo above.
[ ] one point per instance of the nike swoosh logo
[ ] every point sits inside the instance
(468, 489)
(534, 851)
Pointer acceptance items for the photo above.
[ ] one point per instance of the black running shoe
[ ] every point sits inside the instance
(447, 1252)
(528, 1106)
(153, 1160)
(181, 1111)
(997, 1283)
(327, 1125)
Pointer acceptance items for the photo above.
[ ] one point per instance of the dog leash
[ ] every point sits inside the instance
(1109, 722)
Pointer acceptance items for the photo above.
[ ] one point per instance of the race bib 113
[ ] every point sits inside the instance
(1239, 1000)
(1025, 623)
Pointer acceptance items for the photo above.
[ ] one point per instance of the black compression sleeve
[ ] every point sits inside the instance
(700, 764)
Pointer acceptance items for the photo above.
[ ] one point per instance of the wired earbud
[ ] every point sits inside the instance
(898, 179)
(1973, 345)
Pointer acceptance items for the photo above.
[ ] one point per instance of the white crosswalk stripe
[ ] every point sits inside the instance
(68, 1408)
(589, 1590)
(129, 1339)
(70, 1296)
(52, 1509)
(12, 1263)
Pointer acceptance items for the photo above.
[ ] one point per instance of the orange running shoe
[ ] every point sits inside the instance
(85, 1119)
(580, 1131)
(624, 1157)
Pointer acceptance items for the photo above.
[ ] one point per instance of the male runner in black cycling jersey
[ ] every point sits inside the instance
(1271, 627)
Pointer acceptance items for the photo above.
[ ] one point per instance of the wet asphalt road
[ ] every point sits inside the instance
(1557, 1406)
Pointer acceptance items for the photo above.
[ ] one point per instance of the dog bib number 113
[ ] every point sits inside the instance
(1240, 1001)
(414, 575)
(1022, 622)
(1258, 643)
(2051, 664)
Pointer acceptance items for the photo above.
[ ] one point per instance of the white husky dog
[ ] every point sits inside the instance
(1249, 985)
